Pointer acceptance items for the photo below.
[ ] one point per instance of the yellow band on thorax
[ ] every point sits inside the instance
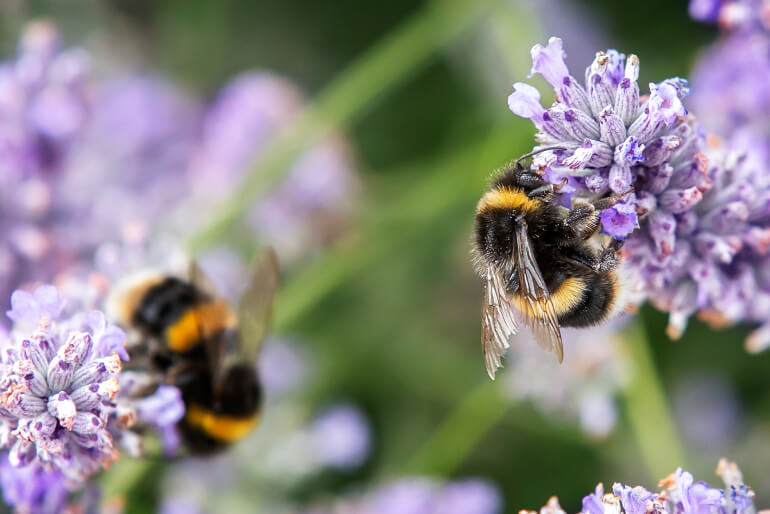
(220, 426)
(507, 198)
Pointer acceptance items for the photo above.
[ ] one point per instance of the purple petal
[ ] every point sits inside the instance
(525, 102)
(680, 200)
(549, 62)
(619, 221)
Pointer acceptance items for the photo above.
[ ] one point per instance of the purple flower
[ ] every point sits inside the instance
(309, 207)
(681, 495)
(584, 393)
(32, 489)
(425, 496)
(341, 435)
(633, 499)
(415, 496)
(740, 15)
(708, 411)
(53, 398)
(160, 412)
(608, 140)
(44, 104)
(731, 85)
(705, 10)
(471, 496)
(282, 366)
(60, 407)
(697, 225)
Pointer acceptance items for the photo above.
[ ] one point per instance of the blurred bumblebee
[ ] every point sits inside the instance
(537, 265)
(183, 331)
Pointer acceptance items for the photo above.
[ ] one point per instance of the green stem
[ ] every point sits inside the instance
(648, 411)
(454, 439)
(344, 100)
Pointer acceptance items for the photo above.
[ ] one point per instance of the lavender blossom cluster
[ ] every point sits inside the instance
(44, 105)
(63, 416)
(680, 495)
(731, 77)
(698, 222)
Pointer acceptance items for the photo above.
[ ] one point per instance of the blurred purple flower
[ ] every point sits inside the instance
(142, 131)
(305, 210)
(737, 15)
(32, 489)
(282, 366)
(708, 410)
(416, 495)
(408, 496)
(159, 411)
(180, 505)
(731, 85)
(586, 391)
(44, 105)
(681, 495)
(341, 436)
(471, 496)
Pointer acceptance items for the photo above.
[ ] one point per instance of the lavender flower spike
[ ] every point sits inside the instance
(698, 222)
(55, 394)
(680, 495)
(63, 416)
(609, 138)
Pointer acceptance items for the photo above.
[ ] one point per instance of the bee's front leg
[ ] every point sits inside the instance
(581, 223)
(608, 259)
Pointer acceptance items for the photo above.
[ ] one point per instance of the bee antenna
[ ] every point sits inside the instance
(539, 150)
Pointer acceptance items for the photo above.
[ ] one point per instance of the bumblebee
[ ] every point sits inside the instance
(192, 339)
(538, 268)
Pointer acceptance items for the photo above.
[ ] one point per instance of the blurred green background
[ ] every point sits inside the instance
(391, 315)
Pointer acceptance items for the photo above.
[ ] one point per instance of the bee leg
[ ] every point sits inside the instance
(541, 192)
(608, 259)
(609, 201)
(531, 181)
(581, 222)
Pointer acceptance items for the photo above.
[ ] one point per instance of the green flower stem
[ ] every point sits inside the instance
(453, 440)
(348, 97)
(648, 411)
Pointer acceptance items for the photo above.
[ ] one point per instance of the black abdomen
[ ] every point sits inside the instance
(596, 303)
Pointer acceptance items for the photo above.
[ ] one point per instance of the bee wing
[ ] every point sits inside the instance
(256, 308)
(201, 280)
(541, 315)
(498, 323)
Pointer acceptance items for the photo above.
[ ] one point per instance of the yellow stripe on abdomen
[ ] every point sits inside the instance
(507, 198)
(219, 426)
(569, 293)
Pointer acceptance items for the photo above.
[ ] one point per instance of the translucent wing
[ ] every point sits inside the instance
(201, 280)
(256, 309)
(498, 323)
(537, 310)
